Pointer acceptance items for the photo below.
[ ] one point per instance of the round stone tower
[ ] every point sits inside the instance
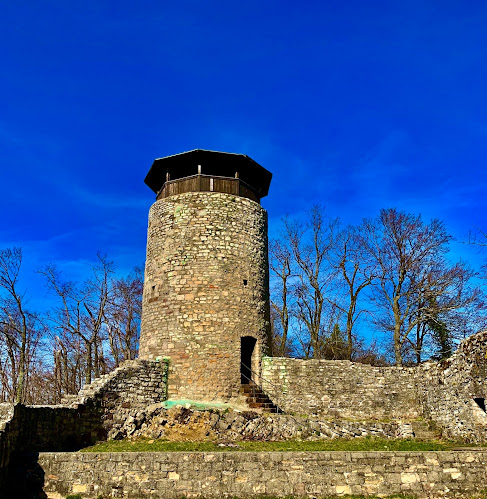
(206, 290)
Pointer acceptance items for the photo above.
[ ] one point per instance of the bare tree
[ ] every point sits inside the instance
(413, 271)
(123, 316)
(20, 329)
(355, 271)
(310, 243)
(81, 313)
(98, 291)
(280, 267)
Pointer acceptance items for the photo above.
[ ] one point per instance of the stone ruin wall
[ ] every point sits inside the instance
(443, 392)
(206, 286)
(341, 389)
(84, 419)
(448, 389)
(253, 474)
(132, 387)
(334, 390)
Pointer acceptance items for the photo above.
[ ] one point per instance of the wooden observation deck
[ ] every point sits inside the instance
(208, 171)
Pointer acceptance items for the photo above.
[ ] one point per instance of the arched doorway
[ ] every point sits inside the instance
(247, 348)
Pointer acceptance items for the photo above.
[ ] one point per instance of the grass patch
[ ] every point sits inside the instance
(350, 445)
(393, 496)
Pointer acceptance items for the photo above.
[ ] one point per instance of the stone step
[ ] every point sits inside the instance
(246, 390)
(257, 399)
(273, 410)
(69, 398)
(263, 405)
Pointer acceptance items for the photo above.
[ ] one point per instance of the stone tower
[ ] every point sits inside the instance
(206, 290)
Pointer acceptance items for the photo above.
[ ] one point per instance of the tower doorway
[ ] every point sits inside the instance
(247, 348)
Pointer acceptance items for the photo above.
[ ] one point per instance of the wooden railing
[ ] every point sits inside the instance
(207, 183)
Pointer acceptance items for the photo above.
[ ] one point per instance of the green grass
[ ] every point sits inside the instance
(356, 444)
(483, 495)
(393, 496)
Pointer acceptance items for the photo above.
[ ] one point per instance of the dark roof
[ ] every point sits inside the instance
(222, 164)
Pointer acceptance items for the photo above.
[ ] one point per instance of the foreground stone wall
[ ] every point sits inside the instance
(99, 409)
(247, 474)
(9, 434)
(206, 286)
(341, 389)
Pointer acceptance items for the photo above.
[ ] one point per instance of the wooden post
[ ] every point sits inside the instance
(164, 187)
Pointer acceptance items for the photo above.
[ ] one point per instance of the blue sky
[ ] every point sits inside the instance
(355, 105)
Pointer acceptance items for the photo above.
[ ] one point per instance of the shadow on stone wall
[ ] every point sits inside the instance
(87, 419)
(25, 479)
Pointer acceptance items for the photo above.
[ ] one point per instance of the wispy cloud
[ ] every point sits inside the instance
(107, 201)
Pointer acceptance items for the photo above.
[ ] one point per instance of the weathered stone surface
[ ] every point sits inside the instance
(246, 474)
(341, 389)
(132, 387)
(448, 389)
(88, 418)
(206, 286)
(180, 423)
(443, 392)
(6, 413)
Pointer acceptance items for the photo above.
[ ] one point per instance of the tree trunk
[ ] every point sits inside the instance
(96, 360)
(19, 395)
(349, 337)
(397, 332)
(89, 364)
(419, 343)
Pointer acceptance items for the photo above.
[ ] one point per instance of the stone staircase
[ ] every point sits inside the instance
(89, 391)
(257, 399)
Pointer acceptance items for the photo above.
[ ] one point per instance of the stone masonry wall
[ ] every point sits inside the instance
(448, 390)
(9, 433)
(206, 286)
(451, 393)
(43, 428)
(246, 474)
(131, 387)
(99, 408)
(341, 389)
